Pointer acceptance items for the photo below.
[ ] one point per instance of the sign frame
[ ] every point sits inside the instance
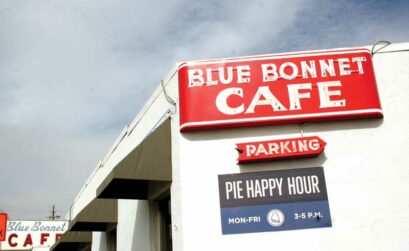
(276, 200)
(279, 149)
(27, 234)
(347, 91)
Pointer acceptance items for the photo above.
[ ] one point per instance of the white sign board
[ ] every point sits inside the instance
(26, 235)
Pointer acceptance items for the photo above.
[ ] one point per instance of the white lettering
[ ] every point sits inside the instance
(303, 185)
(291, 185)
(223, 79)
(311, 69)
(261, 150)
(294, 71)
(221, 101)
(273, 148)
(234, 187)
(302, 145)
(229, 189)
(314, 180)
(344, 67)
(195, 77)
(209, 77)
(269, 72)
(314, 144)
(269, 99)
(358, 61)
(250, 149)
(326, 94)
(295, 95)
(243, 74)
(327, 68)
(264, 187)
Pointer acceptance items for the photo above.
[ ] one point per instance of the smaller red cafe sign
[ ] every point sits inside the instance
(280, 149)
(278, 89)
(25, 235)
(3, 226)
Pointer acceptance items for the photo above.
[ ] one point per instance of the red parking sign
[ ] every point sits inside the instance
(287, 148)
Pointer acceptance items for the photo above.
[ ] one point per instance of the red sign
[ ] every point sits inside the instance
(3, 226)
(280, 149)
(278, 89)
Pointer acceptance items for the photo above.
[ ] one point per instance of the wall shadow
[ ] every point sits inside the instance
(277, 130)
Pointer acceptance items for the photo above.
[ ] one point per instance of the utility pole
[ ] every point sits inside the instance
(53, 215)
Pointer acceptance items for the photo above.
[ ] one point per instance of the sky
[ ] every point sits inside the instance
(73, 73)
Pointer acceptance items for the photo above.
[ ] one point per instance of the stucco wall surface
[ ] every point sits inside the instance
(365, 165)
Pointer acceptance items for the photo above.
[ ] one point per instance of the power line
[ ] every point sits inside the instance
(53, 215)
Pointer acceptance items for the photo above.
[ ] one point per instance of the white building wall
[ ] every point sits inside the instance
(104, 241)
(133, 225)
(99, 241)
(365, 165)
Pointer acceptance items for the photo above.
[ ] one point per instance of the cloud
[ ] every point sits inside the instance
(334, 24)
(40, 168)
(224, 28)
(73, 73)
(59, 72)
